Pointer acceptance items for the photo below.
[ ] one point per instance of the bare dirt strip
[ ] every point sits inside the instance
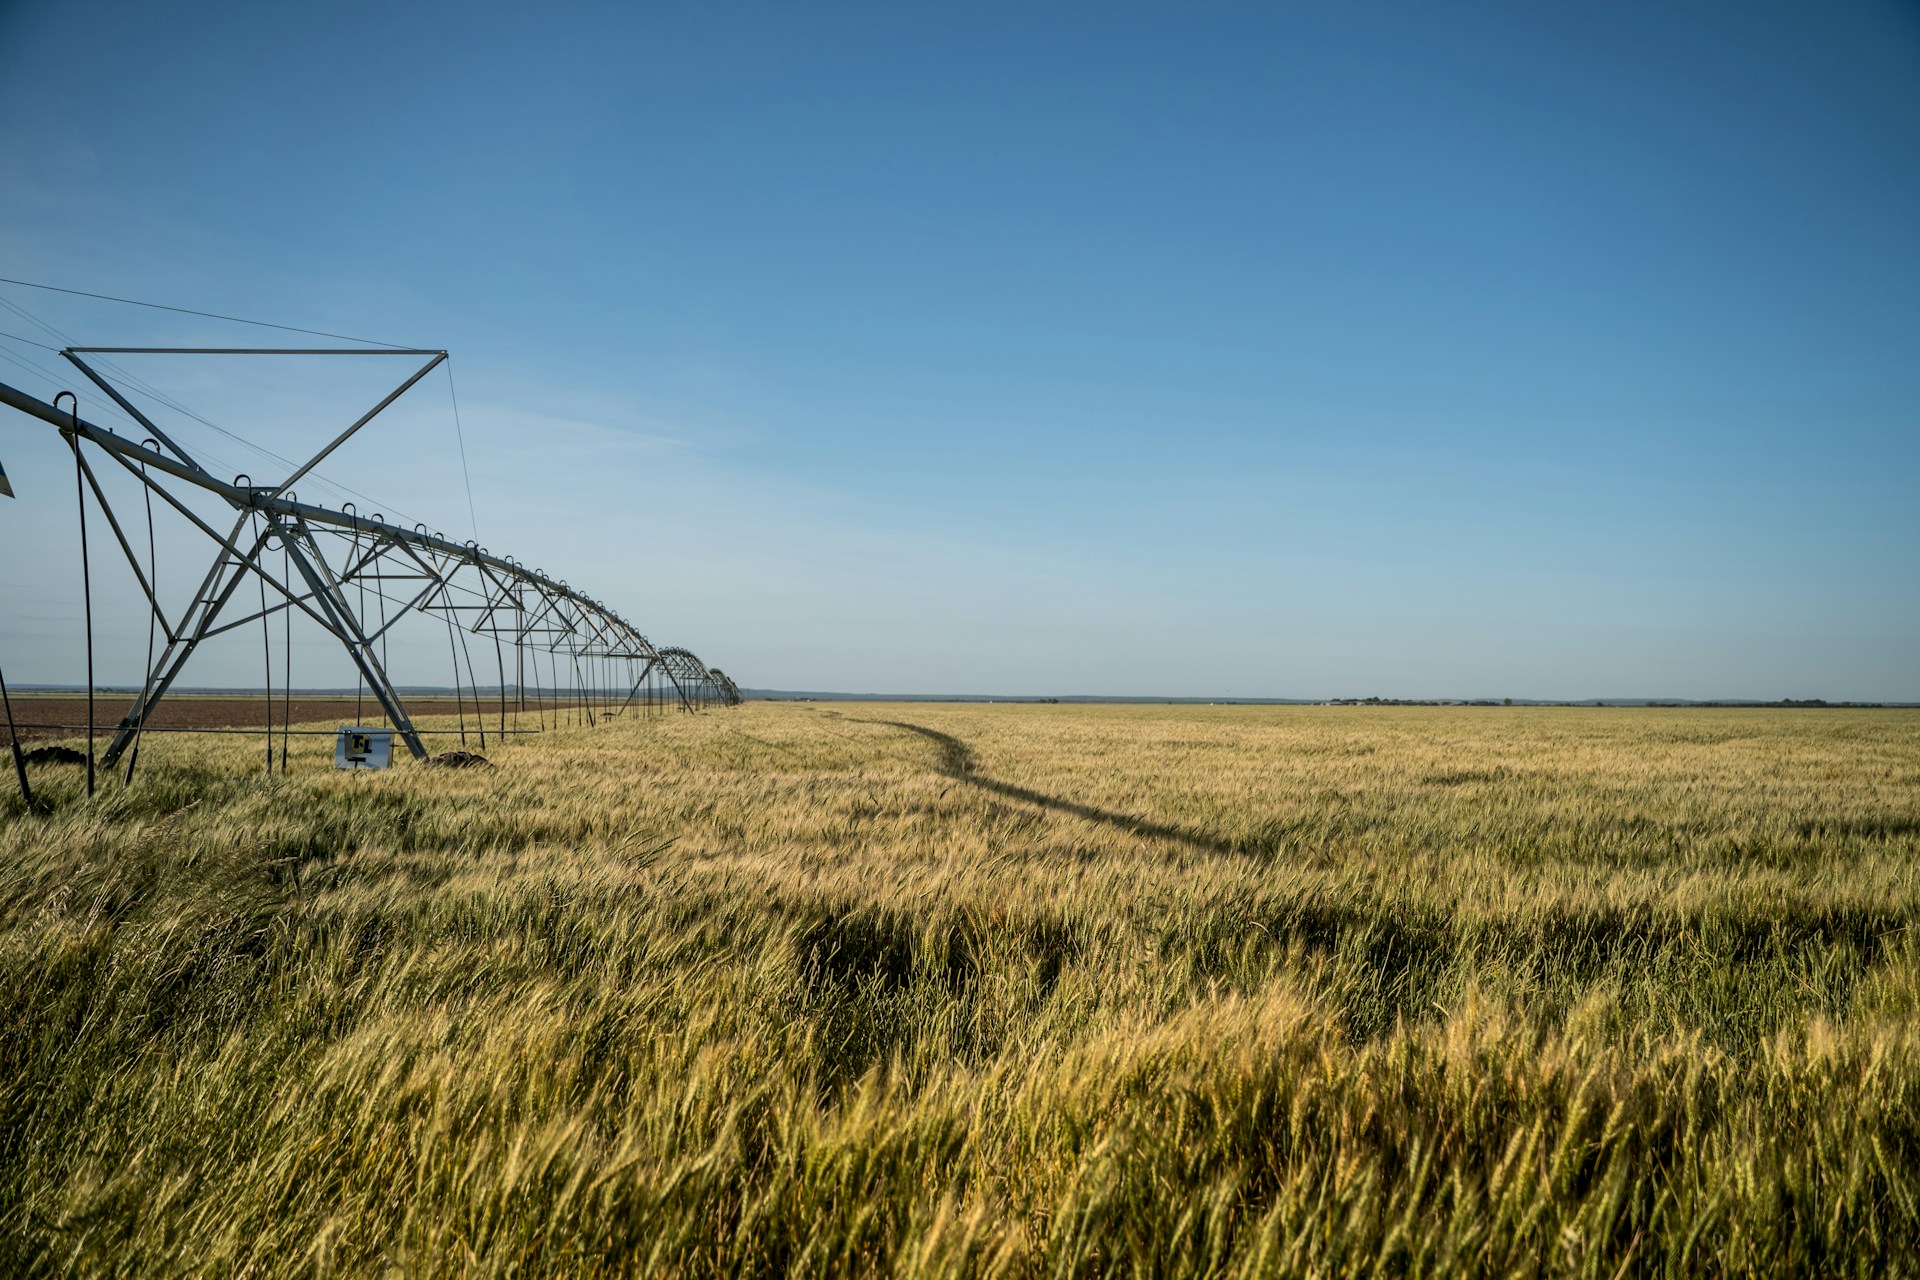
(35, 714)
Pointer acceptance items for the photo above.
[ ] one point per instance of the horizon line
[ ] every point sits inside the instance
(826, 695)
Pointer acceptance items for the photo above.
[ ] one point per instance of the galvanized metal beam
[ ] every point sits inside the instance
(562, 621)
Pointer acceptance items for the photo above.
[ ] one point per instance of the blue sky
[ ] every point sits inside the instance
(1484, 350)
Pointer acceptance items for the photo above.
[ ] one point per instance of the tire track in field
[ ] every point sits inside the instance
(958, 762)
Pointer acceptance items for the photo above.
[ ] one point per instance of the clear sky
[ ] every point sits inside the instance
(1297, 350)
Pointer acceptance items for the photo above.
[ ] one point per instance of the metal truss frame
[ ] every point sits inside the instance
(332, 561)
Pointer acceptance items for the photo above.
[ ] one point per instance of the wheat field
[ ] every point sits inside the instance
(980, 990)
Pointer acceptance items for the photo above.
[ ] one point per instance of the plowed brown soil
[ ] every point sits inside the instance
(36, 715)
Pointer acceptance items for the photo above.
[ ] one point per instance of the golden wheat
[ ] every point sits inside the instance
(965, 990)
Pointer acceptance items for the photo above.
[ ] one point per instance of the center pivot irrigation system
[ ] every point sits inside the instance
(329, 564)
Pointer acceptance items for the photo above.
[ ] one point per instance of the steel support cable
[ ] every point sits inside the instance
(519, 658)
(459, 707)
(155, 393)
(14, 337)
(152, 392)
(162, 398)
(138, 383)
(37, 323)
(573, 695)
(44, 372)
(520, 641)
(215, 459)
(122, 406)
(205, 315)
(153, 614)
(500, 666)
(319, 478)
(460, 437)
(13, 739)
(266, 642)
(286, 667)
(519, 687)
(385, 666)
(86, 571)
(586, 627)
(325, 482)
(586, 692)
(479, 715)
(492, 619)
(360, 583)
